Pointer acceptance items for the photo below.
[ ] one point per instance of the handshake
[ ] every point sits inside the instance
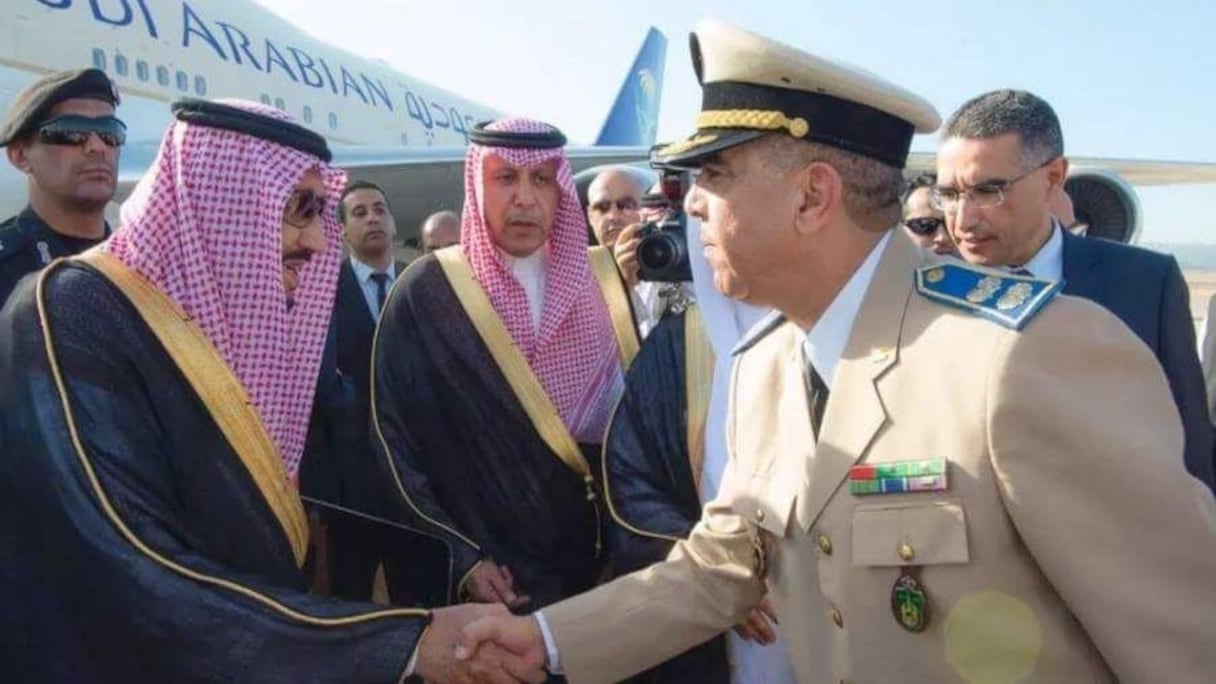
(478, 642)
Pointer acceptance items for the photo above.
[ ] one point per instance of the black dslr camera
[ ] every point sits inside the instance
(663, 248)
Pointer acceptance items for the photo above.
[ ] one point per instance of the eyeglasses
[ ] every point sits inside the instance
(988, 194)
(623, 204)
(924, 226)
(303, 207)
(74, 130)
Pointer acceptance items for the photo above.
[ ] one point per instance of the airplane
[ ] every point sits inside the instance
(383, 126)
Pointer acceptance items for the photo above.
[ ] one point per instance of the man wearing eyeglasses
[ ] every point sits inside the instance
(61, 133)
(1000, 163)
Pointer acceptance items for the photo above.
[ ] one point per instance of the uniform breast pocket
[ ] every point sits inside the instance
(910, 533)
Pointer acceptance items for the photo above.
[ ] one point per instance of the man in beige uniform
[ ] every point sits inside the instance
(979, 480)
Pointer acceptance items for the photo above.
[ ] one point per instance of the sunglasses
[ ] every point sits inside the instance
(75, 130)
(924, 226)
(303, 207)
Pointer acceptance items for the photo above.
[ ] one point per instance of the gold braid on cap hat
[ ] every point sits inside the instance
(753, 118)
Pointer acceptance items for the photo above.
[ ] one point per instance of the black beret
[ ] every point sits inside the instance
(31, 105)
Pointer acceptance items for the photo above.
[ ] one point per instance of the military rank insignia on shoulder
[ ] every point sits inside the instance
(1004, 298)
(757, 332)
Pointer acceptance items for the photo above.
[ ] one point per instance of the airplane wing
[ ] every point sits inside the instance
(1140, 172)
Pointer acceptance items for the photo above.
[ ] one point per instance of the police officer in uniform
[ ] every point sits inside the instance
(62, 133)
(938, 472)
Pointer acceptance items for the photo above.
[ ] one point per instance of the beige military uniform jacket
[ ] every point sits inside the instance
(1070, 545)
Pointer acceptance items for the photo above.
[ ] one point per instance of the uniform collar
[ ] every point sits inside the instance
(825, 343)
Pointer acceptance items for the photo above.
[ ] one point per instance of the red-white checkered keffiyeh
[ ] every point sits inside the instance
(205, 225)
(573, 352)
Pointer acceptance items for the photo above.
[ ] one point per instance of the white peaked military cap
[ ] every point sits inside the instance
(752, 86)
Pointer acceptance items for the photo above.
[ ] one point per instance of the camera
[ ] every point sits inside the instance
(663, 248)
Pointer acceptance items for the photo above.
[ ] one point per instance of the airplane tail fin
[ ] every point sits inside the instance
(633, 120)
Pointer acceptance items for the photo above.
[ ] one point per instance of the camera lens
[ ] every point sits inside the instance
(658, 252)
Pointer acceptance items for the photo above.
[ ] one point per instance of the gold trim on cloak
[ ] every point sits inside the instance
(524, 383)
(699, 362)
(111, 514)
(220, 391)
(698, 382)
(612, 286)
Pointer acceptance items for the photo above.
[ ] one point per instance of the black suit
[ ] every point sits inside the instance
(1145, 289)
(346, 472)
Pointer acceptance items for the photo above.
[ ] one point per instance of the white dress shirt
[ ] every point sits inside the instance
(363, 275)
(825, 341)
(1048, 262)
(530, 272)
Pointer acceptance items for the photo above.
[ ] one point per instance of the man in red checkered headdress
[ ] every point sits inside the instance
(154, 398)
(497, 366)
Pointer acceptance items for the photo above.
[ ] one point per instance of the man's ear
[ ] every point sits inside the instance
(1057, 173)
(18, 156)
(820, 194)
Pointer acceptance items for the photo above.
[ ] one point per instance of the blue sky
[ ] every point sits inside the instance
(1128, 79)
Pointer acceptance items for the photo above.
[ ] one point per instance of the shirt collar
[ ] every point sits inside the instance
(363, 272)
(531, 266)
(1048, 262)
(824, 344)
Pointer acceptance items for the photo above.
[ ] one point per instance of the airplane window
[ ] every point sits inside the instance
(265, 99)
(162, 76)
(120, 65)
(333, 120)
(183, 81)
(405, 139)
(99, 58)
(278, 102)
(141, 70)
(307, 114)
(200, 85)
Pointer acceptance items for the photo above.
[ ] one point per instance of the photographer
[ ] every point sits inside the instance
(660, 284)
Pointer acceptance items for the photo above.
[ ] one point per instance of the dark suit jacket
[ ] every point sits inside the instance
(1145, 289)
(355, 329)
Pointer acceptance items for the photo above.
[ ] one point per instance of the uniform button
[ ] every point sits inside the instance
(836, 618)
(760, 514)
(825, 545)
(906, 552)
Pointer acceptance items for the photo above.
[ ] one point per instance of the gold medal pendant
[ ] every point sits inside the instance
(910, 601)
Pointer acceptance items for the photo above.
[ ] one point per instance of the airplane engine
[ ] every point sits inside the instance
(1106, 202)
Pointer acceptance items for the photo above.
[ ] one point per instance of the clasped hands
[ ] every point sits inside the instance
(483, 642)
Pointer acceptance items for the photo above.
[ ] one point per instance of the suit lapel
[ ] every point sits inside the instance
(348, 286)
(855, 410)
(1083, 275)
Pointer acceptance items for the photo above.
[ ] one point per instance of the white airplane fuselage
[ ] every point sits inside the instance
(160, 50)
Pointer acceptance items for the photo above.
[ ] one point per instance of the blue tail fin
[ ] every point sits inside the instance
(633, 120)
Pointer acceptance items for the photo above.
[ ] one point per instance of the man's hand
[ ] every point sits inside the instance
(756, 627)
(625, 251)
(491, 583)
(518, 636)
(436, 658)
